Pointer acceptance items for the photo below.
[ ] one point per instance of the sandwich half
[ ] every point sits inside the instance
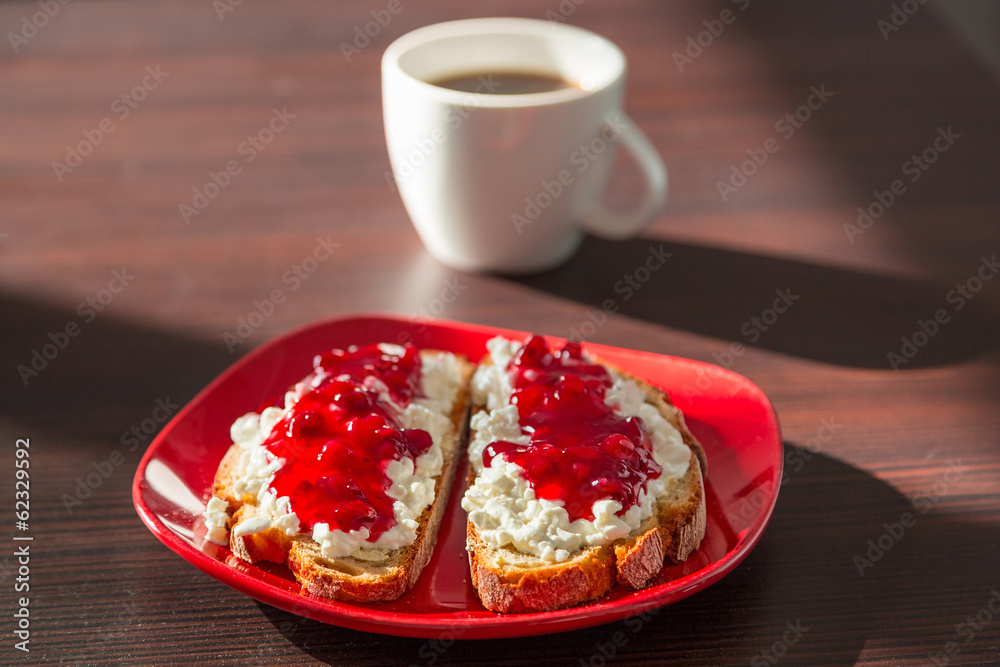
(580, 475)
(347, 475)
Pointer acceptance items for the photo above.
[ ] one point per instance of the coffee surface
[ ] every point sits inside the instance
(504, 83)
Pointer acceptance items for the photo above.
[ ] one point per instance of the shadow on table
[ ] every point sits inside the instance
(840, 566)
(833, 315)
(111, 370)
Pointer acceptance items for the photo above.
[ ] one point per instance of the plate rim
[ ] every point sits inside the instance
(431, 625)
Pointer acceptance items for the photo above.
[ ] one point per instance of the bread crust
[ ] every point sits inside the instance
(347, 578)
(509, 582)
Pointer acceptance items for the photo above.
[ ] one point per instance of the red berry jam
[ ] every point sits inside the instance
(400, 373)
(339, 437)
(580, 450)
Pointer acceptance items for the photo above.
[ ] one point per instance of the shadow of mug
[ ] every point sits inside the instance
(822, 313)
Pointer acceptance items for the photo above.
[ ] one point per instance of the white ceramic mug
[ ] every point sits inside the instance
(510, 183)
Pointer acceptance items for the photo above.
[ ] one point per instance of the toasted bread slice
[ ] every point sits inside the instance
(348, 578)
(511, 581)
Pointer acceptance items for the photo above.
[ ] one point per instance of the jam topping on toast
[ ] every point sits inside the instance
(338, 438)
(580, 450)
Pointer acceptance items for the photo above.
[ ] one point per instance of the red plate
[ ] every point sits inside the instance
(729, 415)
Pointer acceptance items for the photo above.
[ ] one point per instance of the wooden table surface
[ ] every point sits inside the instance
(101, 250)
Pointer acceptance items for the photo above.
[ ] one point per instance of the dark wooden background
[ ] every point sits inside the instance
(104, 591)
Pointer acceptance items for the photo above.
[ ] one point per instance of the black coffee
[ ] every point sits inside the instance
(504, 83)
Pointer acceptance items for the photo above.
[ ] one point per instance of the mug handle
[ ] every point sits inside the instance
(614, 225)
